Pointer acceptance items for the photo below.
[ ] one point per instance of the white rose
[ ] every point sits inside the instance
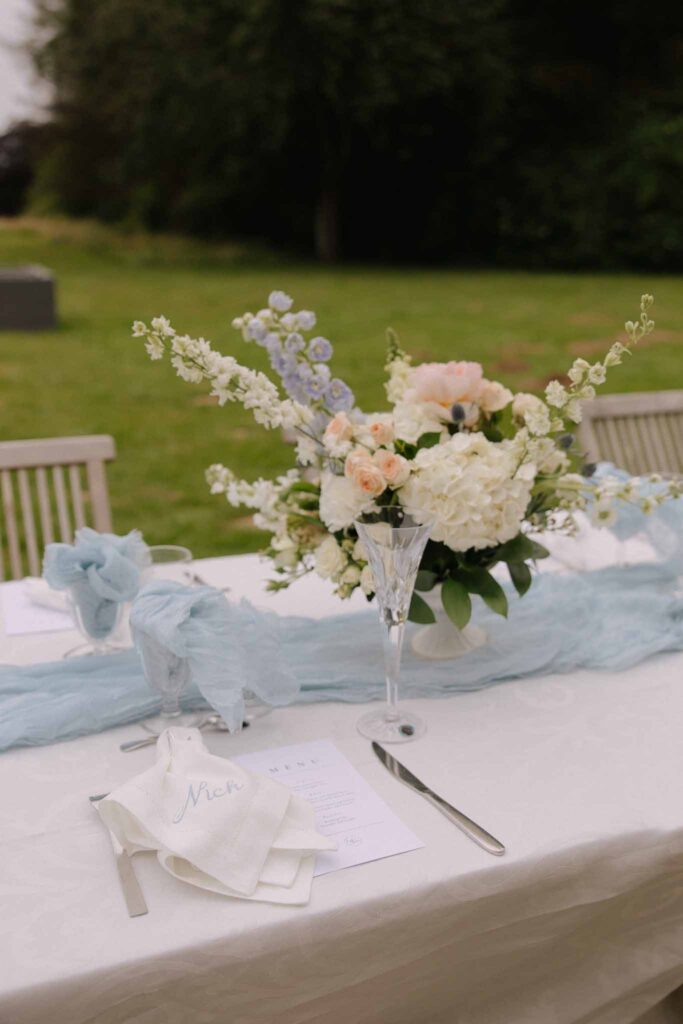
(351, 575)
(359, 552)
(340, 502)
(330, 560)
(493, 396)
(367, 581)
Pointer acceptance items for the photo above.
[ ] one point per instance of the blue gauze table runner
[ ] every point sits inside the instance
(608, 619)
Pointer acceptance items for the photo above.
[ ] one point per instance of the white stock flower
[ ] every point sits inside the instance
(330, 560)
(340, 502)
(573, 411)
(472, 490)
(555, 394)
(307, 450)
(597, 374)
(578, 371)
(162, 325)
(399, 379)
(538, 420)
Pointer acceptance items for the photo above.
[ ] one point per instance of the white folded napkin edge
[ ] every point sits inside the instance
(217, 825)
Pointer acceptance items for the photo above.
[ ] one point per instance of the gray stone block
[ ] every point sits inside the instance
(27, 299)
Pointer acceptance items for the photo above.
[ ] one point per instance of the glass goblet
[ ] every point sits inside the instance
(165, 672)
(98, 619)
(394, 543)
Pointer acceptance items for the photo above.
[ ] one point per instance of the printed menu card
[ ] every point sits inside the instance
(346, 806)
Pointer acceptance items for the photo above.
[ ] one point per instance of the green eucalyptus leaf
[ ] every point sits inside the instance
(516, 550)
(520, 574)
(429, 440)
(538, 550)
(406, 449)
(420, 611)
(302, 485)
(456, 602)
(425, 580)
(481, 582)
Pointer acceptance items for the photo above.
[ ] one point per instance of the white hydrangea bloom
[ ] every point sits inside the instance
(472, 490)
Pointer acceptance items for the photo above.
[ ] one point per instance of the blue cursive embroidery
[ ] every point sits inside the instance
(195, 795)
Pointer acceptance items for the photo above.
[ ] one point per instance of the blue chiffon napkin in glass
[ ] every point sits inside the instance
(101, 571)
(191, 630)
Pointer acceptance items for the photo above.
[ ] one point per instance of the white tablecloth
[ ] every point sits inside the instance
(580, 923)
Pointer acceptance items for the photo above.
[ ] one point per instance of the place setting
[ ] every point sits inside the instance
(439, 514)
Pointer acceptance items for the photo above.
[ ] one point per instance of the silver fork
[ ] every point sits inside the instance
(194, 577)
(209, 722)
(130, 887)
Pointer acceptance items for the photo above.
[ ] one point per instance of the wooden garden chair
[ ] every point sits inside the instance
(48, 488)
(642, 433)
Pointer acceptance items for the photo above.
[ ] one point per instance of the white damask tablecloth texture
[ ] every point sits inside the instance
(580, 923)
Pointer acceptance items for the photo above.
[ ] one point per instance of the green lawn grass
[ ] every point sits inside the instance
(90, 376)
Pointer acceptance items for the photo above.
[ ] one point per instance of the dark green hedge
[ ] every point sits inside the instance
(474, 131)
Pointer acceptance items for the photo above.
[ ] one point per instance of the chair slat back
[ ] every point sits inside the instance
(642, 433)
(49, 488)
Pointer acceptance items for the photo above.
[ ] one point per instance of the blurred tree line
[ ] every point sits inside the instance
(476, 131)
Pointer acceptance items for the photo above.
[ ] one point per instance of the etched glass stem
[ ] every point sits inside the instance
(393, 642)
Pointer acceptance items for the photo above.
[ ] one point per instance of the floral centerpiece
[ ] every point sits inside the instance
(485, 466)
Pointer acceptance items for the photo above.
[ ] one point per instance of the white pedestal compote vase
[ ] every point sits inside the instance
(443, 640)
(394, 543)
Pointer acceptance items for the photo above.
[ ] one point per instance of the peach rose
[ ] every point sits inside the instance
(368, 478)
(338, 430)
(354, 458)
(381, 433)
(394, 468)
(445, 383)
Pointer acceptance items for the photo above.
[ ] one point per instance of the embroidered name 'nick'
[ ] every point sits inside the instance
(207, 793)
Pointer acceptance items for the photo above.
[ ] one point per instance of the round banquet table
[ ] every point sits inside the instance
(580, 923)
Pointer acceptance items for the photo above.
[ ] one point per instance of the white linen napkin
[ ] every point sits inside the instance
(217, 825)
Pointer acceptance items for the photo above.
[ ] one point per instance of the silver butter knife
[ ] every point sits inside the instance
(130, 887)
(473, 831)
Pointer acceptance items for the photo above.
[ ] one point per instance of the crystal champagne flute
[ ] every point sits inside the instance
(394, 543)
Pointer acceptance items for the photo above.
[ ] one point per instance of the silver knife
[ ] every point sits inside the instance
(474, 832)
(130, 887)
